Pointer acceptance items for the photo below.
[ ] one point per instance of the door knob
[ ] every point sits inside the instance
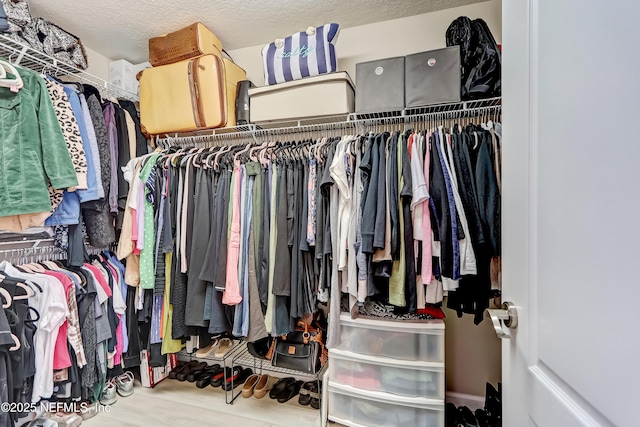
(503, 319)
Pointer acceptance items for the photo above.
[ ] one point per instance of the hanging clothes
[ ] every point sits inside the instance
(264, 233)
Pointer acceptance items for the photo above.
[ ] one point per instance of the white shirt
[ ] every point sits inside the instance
(338, 172)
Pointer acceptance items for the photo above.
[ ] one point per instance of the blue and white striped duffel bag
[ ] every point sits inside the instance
(304, 54)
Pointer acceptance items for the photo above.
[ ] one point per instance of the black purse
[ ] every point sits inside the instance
(301, 351)
(260, 348)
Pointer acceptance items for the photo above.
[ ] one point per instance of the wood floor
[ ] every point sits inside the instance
(175, 403)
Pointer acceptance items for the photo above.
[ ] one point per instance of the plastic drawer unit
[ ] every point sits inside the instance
(403, 340)
(399, 377)
(353, 407)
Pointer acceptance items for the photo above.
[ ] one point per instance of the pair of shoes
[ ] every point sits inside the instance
(238, 376)
(196, 375)
(124, 383)
(209, 350)
(109, 393)
(250, 385)
(203, 378)
(310, 394)
(285, 389)
(178, 368)
(218, 378)
(190, 367)
(258, 385)
(223, 348)
(218, 348)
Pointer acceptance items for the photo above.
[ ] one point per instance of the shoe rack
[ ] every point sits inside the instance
(259, 366)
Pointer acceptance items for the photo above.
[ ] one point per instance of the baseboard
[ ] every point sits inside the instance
(469, 400)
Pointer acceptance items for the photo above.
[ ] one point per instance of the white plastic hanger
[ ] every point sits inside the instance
(14, 83)
(16, 341)
(7, 298)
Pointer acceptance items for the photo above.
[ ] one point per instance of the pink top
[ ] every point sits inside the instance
(231, 295)
(61, 358)
(100, 277)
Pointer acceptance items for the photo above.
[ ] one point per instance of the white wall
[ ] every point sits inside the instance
(98, 64)
(386, 39)
(473, 354)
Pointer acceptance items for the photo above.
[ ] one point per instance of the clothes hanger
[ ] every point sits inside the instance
(253, 150)
(29, 292)
(7, 298)
(16, 342)
(15, 83)
(241, 152)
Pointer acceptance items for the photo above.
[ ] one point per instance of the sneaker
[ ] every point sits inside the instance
(109, 394)
(124, 384)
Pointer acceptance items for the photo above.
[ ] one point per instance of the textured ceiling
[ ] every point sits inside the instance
(121, 28)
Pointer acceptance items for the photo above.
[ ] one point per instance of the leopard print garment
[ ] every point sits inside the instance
(70, 130)
(55, 196)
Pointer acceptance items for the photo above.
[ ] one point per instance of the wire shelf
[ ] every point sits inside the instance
(236, 345)
(246, 359)
(25, 56)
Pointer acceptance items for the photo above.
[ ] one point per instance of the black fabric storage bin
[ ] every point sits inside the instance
(380, 85)
(432, 77)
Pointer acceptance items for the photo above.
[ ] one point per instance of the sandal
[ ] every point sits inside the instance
(239, 376)
(209, 350)
(280, 386)
(289, 392)
(305, 392)
(224, 346)
(315, 396)
(208, 375)
(179, 367)
(218, 379)
(190, 367)
(193, 376)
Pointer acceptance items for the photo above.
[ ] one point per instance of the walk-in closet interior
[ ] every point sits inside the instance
(293, 214)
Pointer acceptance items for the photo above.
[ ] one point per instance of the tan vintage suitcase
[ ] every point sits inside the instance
(190, 95)
(194, 40)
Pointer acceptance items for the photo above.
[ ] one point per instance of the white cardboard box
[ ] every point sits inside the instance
(318, 96)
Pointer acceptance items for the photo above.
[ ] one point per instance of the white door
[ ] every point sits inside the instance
(571, 212)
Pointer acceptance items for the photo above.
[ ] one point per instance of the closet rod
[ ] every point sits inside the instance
(45, 250)
(360, 125)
